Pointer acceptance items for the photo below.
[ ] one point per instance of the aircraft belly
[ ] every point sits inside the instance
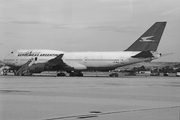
(134, 60)
(100, 64)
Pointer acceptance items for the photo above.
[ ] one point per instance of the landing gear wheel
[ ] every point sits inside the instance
(14, 71)
(73, 74)
(114, 75)
(80, 74)
(26, 74)
(4, 71)
(61, 74)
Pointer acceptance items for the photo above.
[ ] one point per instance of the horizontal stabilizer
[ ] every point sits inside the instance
(143, 54)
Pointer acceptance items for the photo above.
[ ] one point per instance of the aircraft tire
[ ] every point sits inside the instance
(78, 74)
(114, 75)
(61, 74)
(5, 72)
(72, 74)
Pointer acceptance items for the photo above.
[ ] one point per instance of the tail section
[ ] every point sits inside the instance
(149, 41)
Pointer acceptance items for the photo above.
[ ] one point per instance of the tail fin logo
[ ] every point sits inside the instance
(147, 39)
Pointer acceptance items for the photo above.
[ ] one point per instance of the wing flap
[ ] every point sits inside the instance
(76, 66)
(59, 61)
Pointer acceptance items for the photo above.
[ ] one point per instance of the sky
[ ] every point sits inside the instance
(87, 25)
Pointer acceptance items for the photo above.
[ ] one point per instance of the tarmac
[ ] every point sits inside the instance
(89, 98)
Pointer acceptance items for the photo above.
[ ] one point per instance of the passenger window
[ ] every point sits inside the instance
(35, 58)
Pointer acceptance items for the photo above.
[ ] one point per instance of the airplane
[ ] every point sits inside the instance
(27, 62)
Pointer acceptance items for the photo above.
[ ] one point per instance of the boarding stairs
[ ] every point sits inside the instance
(25, 68)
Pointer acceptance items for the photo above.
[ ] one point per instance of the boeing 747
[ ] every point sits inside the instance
(27, 62)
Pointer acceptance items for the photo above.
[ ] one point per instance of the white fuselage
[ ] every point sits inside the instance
(20, 57)
(100, 60)
(77, 60)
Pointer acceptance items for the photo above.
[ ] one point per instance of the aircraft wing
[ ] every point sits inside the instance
(58, 61)
(76, 65)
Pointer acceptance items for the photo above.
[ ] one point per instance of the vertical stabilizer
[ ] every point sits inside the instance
(149, 41)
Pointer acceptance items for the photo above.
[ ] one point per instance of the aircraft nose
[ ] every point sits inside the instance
(8, 58)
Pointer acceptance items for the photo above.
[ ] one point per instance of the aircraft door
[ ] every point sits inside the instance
(35, 59)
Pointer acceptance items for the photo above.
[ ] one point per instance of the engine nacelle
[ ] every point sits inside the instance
(39, 67)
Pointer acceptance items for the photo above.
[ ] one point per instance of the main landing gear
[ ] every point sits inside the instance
(114, 74)
(78, 74)
(71, 73)
(61, 74)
